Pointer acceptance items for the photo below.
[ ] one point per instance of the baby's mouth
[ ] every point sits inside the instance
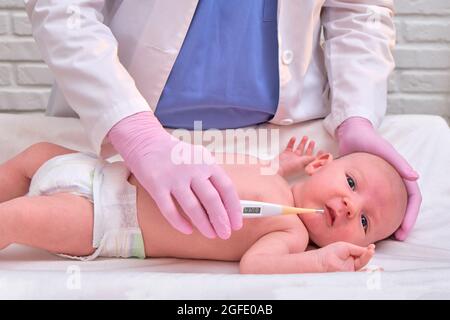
(331, 215)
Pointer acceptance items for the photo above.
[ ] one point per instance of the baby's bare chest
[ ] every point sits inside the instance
(253, 183)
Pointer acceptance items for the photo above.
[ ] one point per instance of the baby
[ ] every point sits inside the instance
(79, 206)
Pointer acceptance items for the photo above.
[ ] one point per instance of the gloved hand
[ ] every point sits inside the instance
(356, 134)
(203, 190)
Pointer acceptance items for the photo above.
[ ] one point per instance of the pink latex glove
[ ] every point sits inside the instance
(356, 134)
(203, 190)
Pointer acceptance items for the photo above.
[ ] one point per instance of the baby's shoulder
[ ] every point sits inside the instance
(300, 233)
(295, 231)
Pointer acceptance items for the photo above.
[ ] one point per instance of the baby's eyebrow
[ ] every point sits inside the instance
(372, 216)
(371, 204)
(374, 219)
(361, 178)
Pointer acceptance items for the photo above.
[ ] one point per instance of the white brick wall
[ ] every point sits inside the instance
(25, 80)
(421, 80)
(420, 83)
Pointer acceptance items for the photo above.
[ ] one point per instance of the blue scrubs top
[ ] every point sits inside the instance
(226, 73)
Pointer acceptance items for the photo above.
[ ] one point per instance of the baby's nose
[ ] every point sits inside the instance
(350, 208)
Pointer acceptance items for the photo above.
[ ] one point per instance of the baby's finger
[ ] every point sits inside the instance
(310, 149)
(364, 258)
(354, 250)
(291, 143)
(301, 147)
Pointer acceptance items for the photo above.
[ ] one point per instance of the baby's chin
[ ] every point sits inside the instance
(313, 222)
(319, 238)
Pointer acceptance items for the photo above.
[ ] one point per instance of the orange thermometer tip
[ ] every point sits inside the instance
(256, 209)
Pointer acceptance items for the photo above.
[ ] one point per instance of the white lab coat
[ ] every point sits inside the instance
(111, 58)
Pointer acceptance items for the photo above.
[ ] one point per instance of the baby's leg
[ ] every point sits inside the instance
(60, 223)
(16, 173)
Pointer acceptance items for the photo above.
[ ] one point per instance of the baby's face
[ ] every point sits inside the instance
(363, 196)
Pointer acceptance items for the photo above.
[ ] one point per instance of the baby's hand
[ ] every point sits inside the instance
(293, 160)
(344, 256)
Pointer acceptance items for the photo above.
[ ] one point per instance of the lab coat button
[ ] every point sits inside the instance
(286, 122)
(288, 56)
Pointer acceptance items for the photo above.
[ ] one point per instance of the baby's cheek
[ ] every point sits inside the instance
(313, 194)
(336, 234)
(349, 236)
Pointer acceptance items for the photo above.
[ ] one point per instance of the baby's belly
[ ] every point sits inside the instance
(162, 240)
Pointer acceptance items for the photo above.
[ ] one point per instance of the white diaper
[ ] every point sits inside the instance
(116, 229)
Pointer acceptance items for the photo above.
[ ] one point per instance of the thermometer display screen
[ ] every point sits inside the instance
(254, 210)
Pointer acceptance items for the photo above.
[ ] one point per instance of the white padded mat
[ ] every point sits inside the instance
(418, 268)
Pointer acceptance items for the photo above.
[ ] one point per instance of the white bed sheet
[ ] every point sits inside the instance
(418, 268)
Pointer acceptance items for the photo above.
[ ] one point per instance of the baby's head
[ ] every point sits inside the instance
(363, 196)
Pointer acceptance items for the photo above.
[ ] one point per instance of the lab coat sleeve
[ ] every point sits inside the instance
(81, 52)
(359, 38)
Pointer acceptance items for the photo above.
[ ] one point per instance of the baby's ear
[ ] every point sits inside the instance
(318, 163)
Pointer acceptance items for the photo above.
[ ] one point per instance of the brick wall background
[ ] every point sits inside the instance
(419, 84)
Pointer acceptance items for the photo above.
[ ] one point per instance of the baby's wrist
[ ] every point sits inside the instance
(320, 260)
(280, 171)
(310, 261)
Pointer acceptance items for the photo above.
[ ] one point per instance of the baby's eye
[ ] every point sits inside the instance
(364, 222)
(351, 183)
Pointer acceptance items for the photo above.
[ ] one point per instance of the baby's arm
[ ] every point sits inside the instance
(279, 252)
(283, 252)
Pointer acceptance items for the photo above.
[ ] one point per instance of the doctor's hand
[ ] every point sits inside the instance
(171, 169)
(356, 134)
